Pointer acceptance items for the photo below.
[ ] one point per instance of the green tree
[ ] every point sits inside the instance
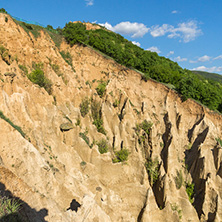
(2, 10)
(75, 33)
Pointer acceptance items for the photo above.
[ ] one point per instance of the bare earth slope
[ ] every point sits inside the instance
(49, 167)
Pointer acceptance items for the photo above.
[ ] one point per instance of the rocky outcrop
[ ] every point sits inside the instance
(57, 164)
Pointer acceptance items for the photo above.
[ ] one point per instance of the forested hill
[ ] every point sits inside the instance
(209, 76)
(153, 66)
(161, 69)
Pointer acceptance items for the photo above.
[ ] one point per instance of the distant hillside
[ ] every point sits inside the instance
(208, 75)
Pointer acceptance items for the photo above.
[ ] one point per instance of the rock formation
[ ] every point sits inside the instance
(49, 150)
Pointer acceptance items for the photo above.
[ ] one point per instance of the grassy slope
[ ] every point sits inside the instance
(210, 76)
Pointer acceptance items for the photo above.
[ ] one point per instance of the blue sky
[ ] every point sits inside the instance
(188, 32)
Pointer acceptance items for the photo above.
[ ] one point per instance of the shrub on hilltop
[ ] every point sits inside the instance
(2, 10)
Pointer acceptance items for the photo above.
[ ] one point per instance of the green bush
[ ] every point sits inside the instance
(146, 126)
(101, 88)
(103, 146)
(97, 116)
(190, 191)
(219, 141)
(2, 10)
(99, 125)
(84, 107)
(37, 77)
(9, 209)
(152, 168)
(121, 156)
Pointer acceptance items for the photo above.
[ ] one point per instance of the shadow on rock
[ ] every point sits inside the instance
(13, 209)
(74, 205)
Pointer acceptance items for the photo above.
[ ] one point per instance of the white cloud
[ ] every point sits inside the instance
(179, 59)
(175, 12)
(187, 31)
(157, 30)
(136, 43)
(170, 53)
(218, 57)
(154, 49)
(211, 69)
(204, 58)
(89, 2)
(107, 25)
(135, 30)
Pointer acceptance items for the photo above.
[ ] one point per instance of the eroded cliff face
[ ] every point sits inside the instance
(49, 168)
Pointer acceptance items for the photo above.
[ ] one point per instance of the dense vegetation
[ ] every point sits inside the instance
(188, 84)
